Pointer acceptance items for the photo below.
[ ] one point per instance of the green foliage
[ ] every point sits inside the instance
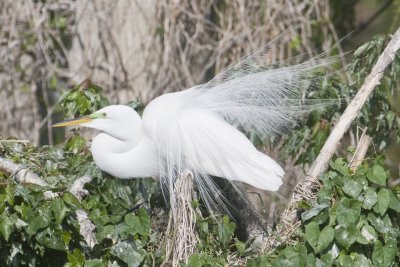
(346, 226)
(83, 99)
(38, 231)
(378, 114)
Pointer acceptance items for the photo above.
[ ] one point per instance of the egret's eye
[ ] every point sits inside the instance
(98, 115)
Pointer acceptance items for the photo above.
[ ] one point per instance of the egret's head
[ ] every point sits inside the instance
(118, 121)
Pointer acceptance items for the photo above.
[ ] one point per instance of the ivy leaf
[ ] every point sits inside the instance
(341, 166)
(6, 225)
(51, 237)
(346, 235)
(94, 263)
(128, 253)
(72, 200)
(383, 201)
(76, 258)
(352, 188)
(292, 256)
(226, 230)
(319, 240)
(312, 234)
(139, 223)
(314, 211)
(59, 210)
(394, 203)
(377, 175)
(348, 211)
(360, 50)
(354, 259)
(36, 222)
(370, 199)
(367, 235)
(383, 226)
(384, 255)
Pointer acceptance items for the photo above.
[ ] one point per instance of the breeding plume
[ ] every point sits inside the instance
(203, 130)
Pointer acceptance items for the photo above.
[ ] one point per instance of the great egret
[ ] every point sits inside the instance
(201, 130)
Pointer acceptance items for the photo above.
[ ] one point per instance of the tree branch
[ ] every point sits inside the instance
(305, 190)
(361, 150)
(321, 163)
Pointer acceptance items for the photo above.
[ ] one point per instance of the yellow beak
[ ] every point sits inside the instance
(72, 122)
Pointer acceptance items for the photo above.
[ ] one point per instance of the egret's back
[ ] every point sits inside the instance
(198, 129)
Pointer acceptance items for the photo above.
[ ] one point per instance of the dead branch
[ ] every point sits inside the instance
(361, 150)
(305, 190)
(77, 187)
(20, 173)
(322, 161)
(86, 228)
(181, 238)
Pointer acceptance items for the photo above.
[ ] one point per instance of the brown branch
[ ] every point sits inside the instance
(305, 190)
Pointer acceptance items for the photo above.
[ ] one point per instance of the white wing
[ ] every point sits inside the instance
(198, 140)
(194, 130)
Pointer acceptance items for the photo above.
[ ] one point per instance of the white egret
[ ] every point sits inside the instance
(200, 130)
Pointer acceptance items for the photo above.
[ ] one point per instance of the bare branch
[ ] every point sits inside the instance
(305, 190)
(21, 173)
(361, 150)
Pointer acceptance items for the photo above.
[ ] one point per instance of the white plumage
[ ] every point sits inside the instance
(201, 130)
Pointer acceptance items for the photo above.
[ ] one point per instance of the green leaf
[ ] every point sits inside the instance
(319, 240)
(139, 223)
(6, 225)
(314, 211)
(194, 261)
(360, 50)
(341, 166)
(75, 144)
(128, 253)
(384, 255)
(226, 230)
(394, 203)
(383, 201)
(324, 195)
(59, 210)
(345, 260)
(377, 175)
(352, 188)
(370, 199)
(367, 235)
(51, 237)
(382, 225)
(72, 200)
(94, 263)
(292, 256)
(348, 211)
(76, 258)
(82, 104)
(346, 235)
(36, 222)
